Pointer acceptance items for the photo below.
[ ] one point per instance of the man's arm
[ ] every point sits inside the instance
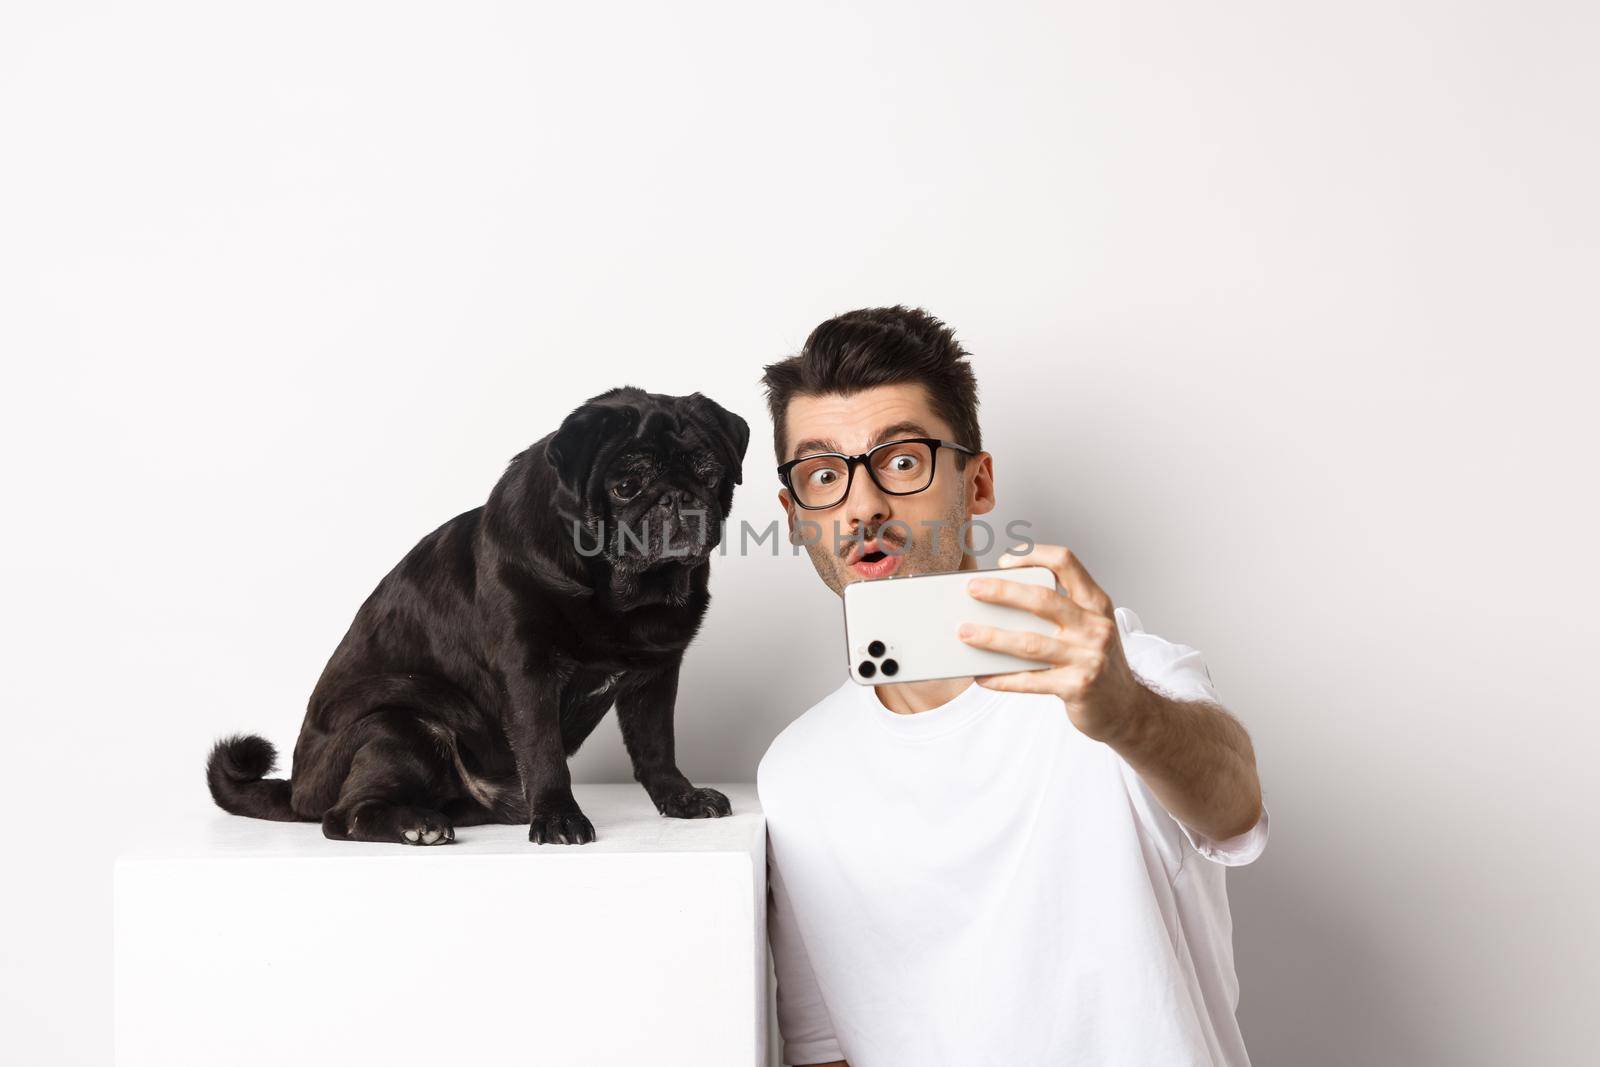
(803, 1021)
(1194, 756)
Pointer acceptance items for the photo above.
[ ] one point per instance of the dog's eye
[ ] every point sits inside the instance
(706, 472)
(626, 489)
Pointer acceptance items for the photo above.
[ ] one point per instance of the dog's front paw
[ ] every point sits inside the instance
(560, 827)
(695, 804)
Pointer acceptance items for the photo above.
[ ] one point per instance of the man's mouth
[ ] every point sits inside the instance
(870, 560)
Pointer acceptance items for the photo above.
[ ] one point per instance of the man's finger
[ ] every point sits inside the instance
(1041, 648)
(1045, 603)
(1042, 681)
(1070, 572)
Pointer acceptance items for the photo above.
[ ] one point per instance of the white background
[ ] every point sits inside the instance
(1284, 318)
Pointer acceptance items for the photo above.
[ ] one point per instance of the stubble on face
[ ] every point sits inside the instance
(933, 546)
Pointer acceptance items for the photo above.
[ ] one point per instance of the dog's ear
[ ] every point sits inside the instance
(573, 449)
(733, 431)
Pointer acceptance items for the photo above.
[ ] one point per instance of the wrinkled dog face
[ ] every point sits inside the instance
(652, 475)
(662, 504)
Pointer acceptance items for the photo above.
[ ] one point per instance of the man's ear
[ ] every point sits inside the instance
(788, 512)
(981, 498)
(733, 430)
(573, 449)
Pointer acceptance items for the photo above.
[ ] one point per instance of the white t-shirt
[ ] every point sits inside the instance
(980, 883)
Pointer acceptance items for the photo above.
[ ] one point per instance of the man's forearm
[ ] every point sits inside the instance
(1198, 761)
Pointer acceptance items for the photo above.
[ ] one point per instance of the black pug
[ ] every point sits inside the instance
(492, 650)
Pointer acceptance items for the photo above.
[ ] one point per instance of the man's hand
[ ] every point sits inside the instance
(1193, 755)
(1090, 673)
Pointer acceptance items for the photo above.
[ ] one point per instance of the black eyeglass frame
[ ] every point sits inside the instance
(864, 458)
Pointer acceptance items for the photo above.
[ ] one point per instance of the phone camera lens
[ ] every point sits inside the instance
(867, 670)
(890, 667)
(875, 649)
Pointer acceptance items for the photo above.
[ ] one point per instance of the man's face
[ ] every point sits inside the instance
(927, 534)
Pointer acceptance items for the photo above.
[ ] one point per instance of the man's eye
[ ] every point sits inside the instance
(824, 477)
(626, 489)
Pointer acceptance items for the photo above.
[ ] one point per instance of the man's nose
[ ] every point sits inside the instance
(866, 507)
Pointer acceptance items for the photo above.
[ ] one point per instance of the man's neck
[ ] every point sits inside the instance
(908, 698)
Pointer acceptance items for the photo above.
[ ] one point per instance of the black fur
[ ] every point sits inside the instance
(488, 655)
(237, 774)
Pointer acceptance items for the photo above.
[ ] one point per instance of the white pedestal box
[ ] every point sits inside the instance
(241, 942)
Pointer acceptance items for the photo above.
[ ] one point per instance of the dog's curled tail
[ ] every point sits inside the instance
(237, 774)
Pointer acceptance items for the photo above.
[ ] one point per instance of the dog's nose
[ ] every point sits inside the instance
(675, 498)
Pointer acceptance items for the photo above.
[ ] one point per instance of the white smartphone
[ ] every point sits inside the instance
(904, 629)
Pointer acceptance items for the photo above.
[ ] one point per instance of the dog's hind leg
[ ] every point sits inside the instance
(397, 783)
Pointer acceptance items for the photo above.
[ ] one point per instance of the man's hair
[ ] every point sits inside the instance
(879, 346)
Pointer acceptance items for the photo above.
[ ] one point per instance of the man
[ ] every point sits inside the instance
(1022, 869)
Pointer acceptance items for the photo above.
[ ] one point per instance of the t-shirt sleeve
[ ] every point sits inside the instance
(803, 1020)
(1180, 672)
(1177, 670)
(1231, 851)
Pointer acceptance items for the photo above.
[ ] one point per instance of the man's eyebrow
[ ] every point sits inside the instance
(903, 428)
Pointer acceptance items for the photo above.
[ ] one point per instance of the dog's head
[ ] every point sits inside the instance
(651, 476)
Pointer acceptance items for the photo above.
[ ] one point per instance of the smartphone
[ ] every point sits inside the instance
(903, 629)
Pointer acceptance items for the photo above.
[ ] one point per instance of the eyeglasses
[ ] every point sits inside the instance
(899, 468)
